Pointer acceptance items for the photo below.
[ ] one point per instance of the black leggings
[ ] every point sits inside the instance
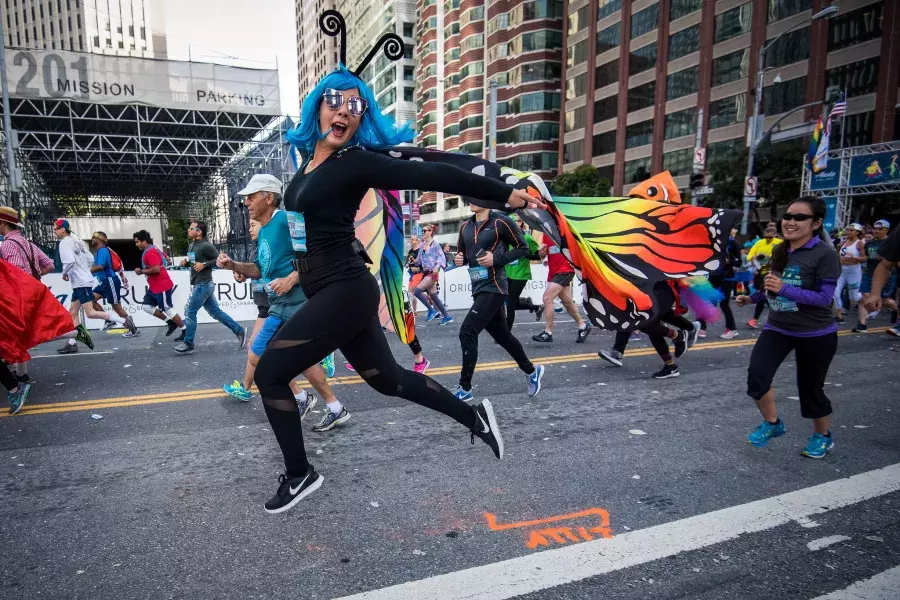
(487, 314)
(515, 302)
(343, 315)
(758, 280)
(727, 289)
(7, 379)
(814, 356)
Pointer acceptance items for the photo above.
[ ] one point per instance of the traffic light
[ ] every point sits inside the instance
(698, 180)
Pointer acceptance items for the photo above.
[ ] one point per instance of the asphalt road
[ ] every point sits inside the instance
(614, 485)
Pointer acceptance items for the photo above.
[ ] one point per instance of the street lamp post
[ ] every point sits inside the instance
(755, 138)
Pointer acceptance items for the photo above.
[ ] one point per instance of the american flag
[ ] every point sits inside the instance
(840, 107)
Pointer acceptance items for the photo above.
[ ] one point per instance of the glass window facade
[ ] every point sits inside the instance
(782, 9)
(533, 102)
(684, 42)
(720, 150)
(576, 53)
(681, 123)
(782, 97)
(604, 143)
(731, 67)
(859, 128)
(637, 170)
(606, 74)
(578, 20)
(681, 83)
(639, 134)
(857, 78)
(728, 111)
(643, 96)
(606, 108)
(575, 86)
(642, 59)
(679, 162)
(607, 7)
(644, 21)
(539, 161)
(789, 48)
(574, 119)
(573, 151)
(734, 22)
(529, 132)
(855, 27)
(680, 8)
(609, 38)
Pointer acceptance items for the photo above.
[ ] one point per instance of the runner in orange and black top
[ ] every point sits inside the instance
(559, 278)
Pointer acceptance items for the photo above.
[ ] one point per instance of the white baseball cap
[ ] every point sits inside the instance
(262, 183)
(855, 226)
(882, 223)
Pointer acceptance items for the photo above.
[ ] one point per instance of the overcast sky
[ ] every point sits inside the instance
(257, 32)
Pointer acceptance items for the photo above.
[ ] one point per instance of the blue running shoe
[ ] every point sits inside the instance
(17, 398)
(462, 394)
(534, 380)
(236, 390)
(328, 364)
(430, 316)
(818, 446)
(760, 436)
(446, 320)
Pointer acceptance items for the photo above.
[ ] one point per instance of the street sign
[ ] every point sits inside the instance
(750, 187)
(415, 212)
(706, 190)
(699, 158)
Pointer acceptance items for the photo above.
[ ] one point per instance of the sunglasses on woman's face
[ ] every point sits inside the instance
(800, 217)
(334, 99)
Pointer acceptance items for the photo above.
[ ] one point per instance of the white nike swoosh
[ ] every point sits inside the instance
(294, 490)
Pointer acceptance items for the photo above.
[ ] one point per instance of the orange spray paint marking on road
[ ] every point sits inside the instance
(545, 536)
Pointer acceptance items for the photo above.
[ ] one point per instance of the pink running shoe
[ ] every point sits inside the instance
(422, 366)
(350, 367)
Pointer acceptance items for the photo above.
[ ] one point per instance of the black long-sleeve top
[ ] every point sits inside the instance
(328, 198)
(494, 235)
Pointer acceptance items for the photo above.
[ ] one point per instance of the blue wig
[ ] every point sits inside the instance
(375, 130)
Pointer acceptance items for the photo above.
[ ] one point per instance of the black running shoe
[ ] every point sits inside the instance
(543, 336)
(172, 327)
(583, 333)
(860, 328)
(180, 337)
(84, 336)
(681, 343)
(487, 428)
(538, 312)
(667, 372)
(130, 326)
(184, 348)
(894, 316)
(292, 490)
(68, 349)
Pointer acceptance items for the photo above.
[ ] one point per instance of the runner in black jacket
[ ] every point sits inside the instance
(482, 244)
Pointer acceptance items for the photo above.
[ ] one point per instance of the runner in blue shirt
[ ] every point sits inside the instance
(109, 288)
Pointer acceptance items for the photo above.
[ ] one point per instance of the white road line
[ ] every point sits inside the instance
(542, 570)
(826, 541)
(884, 586)
(76, 354)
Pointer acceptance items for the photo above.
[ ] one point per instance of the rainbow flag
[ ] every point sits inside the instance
(814, 143)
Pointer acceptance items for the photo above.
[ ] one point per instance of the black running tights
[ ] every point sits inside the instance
(343, 315)
(487, 314)
(7, 379)
(515, 302)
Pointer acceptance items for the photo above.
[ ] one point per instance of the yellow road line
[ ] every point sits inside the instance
(122, 401)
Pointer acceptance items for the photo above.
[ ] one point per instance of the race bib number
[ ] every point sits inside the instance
(477, 274)
(297, 226)
(259, 286)
(554, 250)
(791, 276)
(192, 257)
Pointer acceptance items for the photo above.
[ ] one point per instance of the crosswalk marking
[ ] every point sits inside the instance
(884, 586)
(528, 574)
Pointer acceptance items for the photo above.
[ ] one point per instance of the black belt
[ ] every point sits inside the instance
(304, 265)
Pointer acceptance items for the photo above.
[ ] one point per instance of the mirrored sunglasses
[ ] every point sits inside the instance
(334, 99)
(798, 217)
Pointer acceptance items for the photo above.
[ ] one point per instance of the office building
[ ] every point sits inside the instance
(638, 73)
(115, 27)
(317, 53)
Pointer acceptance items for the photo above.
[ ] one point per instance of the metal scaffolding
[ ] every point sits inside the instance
(132, 160)
(844, 192)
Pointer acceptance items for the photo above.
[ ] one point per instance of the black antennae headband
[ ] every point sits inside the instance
(332, 23)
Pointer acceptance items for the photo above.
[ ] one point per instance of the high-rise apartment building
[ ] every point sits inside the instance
(317, 53)
(116, 27)
(464, 44)
(638, 73)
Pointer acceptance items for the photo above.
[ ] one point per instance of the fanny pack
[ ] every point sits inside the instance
(305, 265)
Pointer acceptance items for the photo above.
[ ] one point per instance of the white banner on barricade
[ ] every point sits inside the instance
(236, 299)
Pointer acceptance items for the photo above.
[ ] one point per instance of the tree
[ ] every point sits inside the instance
(778, 168)
(583, 182)
(178, 231)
